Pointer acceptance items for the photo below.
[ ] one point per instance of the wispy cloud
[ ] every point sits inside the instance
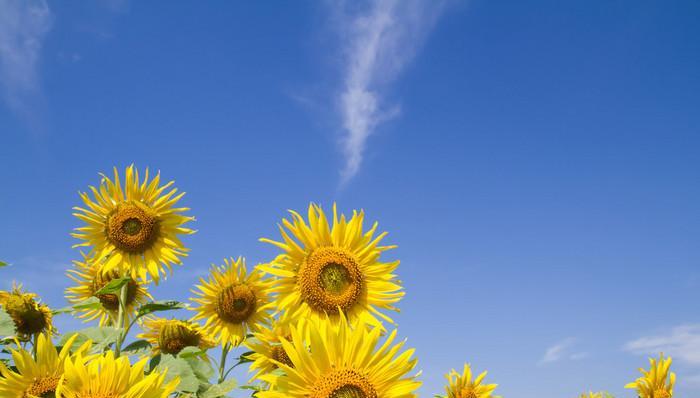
(681, 342)
(562, 350)
(377, 42)
(23, 26)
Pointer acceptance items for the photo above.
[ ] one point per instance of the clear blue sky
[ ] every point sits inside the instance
(536, 162)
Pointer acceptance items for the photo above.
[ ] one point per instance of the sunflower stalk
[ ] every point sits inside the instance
(35, 339)
(121, 319)
(222, 365)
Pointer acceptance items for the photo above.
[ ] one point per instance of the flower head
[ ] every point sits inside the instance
(232, 302)
(110, 377)
(657, 382)
(36, 378)
(333, 268)
(170, 336)
(339, 361)
(89, 279)
(135, 229)
(29, 315)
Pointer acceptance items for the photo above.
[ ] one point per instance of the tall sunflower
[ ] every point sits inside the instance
(110, 377)
(326, 268)
(36, 378)
(465, 386)
(90, 279)
(170, 336)
(342, 362)
(232, 302)
(28, 314)
(134, 230)
(657, 382)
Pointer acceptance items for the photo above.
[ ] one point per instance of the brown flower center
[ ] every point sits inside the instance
(236, 303)
(44, 387)
(330, 278)
(344, 383)
(467, 393)
(174, 336)
(110, 301)
(661, 393)
(132, 228)
(25, 313)
(280, 355)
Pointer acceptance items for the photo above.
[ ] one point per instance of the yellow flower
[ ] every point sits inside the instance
(324, 269)
(36, 378)
(134, 230)
(232, 302)
(342, 362)
(89, 279)
(267, 349)
(29, 315)
(110, 377)
(463, 386)
(170, 336)
(592, 394)
(657, 382)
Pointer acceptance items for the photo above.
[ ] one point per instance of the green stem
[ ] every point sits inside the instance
(231, 368)
(222, 364)
(121, 319)
(35, 340)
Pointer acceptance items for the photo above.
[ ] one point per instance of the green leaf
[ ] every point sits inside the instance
(219, 390)
(91, 303)
(178, 367)
(137, 347)
(64, 310)
(3, 264)
(7, 325)
(252, 387)
(198, 361)
(158, 306)
(113, 287)
(191, 352)
(153, 363)
(245, 357)
(6, 341)
(101, 337)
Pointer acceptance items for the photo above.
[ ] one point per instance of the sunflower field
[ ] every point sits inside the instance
(315, 321)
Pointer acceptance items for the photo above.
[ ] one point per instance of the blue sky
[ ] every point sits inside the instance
(536, 162)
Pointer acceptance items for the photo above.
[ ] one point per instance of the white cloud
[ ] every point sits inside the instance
(377, 42)
(23, 26)
(681, 342)
(562, 350)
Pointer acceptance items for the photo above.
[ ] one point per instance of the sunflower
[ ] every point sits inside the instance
(462, 386)
(592, 394)
(267, 350)
(342, 362)
(29, 315)
(36, 378)
(324, 269)
(134, 230)
(89, 279)
(232, 302)
(170, 336)
(657, 382)
(110, 377)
